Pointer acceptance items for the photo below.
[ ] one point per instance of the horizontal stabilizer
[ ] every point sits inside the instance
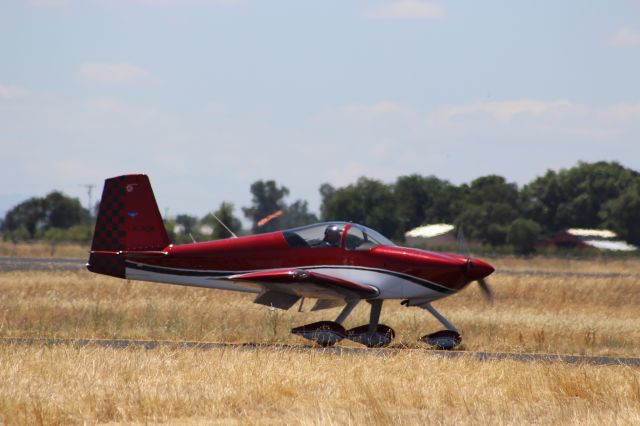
(114, 262)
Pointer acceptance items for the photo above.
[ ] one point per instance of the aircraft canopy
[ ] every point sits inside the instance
(349, 236)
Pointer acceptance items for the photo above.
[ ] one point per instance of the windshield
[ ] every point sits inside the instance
(330, 234)
(362, 238)
(378, 237)
(320, 235)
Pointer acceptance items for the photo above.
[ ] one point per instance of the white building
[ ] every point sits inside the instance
(601, 239)
(435, 235)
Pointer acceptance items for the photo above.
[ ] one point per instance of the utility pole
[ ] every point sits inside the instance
(89, 188)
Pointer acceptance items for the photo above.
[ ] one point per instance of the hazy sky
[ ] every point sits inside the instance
(207, 96)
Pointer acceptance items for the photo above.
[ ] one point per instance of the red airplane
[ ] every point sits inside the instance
(337, 263)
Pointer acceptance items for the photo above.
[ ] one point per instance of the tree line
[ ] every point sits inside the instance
(490, 209)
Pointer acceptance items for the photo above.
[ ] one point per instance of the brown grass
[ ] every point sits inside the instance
(594, 316)
(61, 385)
(43, 249)
(602, 264)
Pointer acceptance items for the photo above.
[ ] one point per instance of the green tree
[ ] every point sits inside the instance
(326, 193)
(575, 197)
(421, 200)
(523, 235)
(64, 212)
(38, 214)
(369, 202)
(169, 226)
(491, 189)
(622, 214)
(19, 234)
(225, 214)
(267, 199)
(297, 214)
(446, 205)
(486, 208)
(487, 222)
(77, 234)
(187, 222)
(30, 216)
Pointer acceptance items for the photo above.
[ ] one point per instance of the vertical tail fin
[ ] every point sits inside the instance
(128, 220)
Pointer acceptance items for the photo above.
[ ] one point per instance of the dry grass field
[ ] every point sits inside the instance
(63, 385)
(558, 314)
(43, 249)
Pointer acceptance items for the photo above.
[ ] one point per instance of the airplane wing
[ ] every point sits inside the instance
(283, 287)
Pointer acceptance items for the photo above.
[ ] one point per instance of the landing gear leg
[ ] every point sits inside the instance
(347, 310)
(374, 334)
(438, 316)
(374, 315)
(443, 339)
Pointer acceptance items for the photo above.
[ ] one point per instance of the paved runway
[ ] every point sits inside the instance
(8, 264)
(336, 350)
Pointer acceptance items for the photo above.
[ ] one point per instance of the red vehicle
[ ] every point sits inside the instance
(337, 263)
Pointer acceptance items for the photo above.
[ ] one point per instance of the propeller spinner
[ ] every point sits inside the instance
(476, 268)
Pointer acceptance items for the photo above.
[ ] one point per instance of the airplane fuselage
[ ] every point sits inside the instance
(396, 272)
(338, 263)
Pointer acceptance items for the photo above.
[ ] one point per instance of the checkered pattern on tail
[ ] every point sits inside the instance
(110, 232)
(128, 220)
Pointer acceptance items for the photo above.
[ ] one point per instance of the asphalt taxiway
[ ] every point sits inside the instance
(335, 350)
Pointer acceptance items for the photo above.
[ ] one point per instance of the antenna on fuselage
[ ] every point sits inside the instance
(225, 226)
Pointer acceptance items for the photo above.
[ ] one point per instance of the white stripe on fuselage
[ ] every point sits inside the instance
(193, 281)
(391, 285)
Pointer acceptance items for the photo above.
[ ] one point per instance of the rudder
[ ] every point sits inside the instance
(128, 220)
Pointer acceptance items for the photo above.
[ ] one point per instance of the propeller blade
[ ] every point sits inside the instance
(486, 290)
(484, 286)
(462, 243)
